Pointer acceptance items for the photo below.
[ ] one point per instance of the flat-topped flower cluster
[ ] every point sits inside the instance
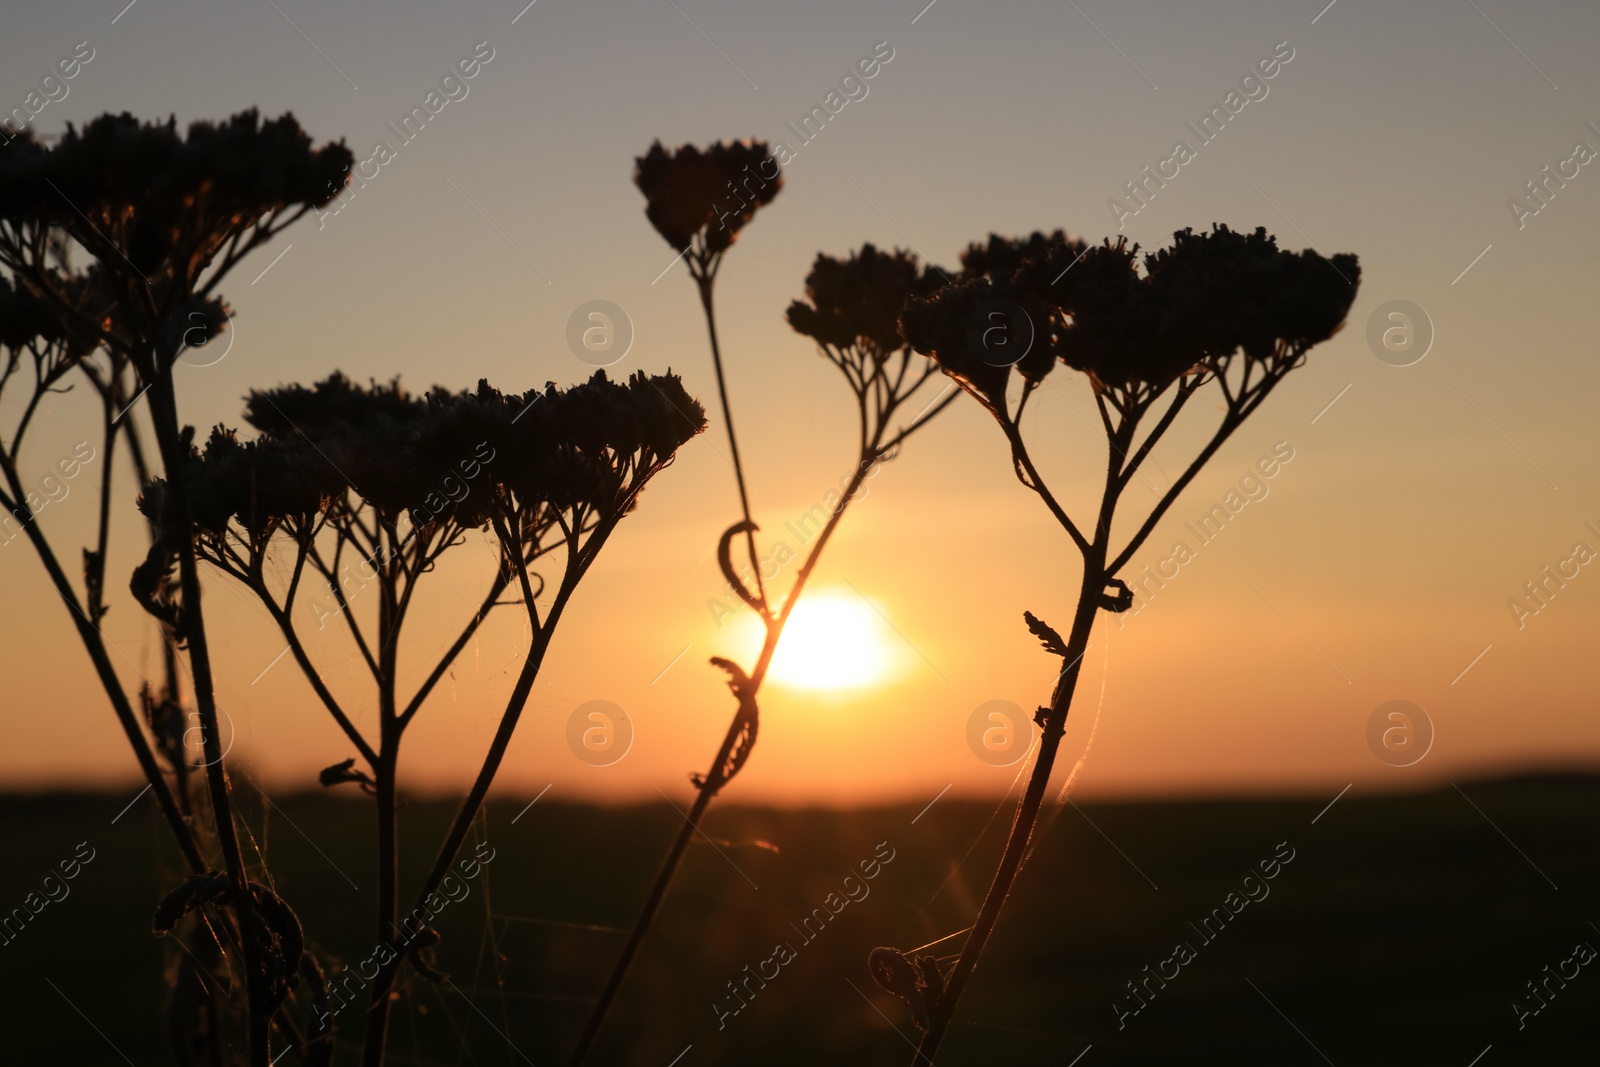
(587, 449)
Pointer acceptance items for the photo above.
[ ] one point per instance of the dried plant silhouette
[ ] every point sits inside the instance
(851, 310)
(32, 337)
(1223, 314)
(165, 217)
(352, 487)
(36, 343)
(341, 499)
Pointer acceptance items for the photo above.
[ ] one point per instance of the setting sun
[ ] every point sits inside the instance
(833, 641)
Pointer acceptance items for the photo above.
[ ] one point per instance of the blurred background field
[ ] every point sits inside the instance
(1401, 932)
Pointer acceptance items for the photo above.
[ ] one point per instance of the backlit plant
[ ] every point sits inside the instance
(165, 216)
(699, 200)
(347, 487)
(1223, 316)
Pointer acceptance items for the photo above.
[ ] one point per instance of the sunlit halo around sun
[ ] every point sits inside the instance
(832, 641)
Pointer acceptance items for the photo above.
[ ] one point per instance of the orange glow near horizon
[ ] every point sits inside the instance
(1391, 559)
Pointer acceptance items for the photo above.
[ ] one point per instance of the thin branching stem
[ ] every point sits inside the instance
(94, 643)
(163, 406)
(1052, 723)
(496, 587)
(1028, 475)
(332, 577)
(871, 451)
(298, 651)
(1238, 411)
(1121, 431)
(473, 803)
(705, 280)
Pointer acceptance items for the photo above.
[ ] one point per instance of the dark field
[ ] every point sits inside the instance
(1401, 931)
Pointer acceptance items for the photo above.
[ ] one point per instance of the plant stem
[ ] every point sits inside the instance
(169, 642)
(1052, 728)
(384, 772)
(388, 902)
(705, 284)
(468, 813)
(658, 891)
(713, 782)
(164, 420)
(94, 644)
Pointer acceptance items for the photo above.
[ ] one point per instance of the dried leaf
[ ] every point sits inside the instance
(1047, 636)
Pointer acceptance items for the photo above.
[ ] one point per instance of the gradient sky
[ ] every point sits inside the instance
(1378, 567)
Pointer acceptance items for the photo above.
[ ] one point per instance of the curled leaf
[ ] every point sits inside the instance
(725, 561)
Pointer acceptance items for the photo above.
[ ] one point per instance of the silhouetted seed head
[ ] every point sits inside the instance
(856, 302)
(710, 193)
(360, 432)
(999, 257)
(940, 326)
(1299, 299)
(334, 402)
(590, 447)
(1107, 320)
(256, 484)
(169, 201)
(22, 190)
(592, 444)
(1201, 302)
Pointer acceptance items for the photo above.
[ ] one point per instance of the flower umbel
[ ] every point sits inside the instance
(705, 196)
